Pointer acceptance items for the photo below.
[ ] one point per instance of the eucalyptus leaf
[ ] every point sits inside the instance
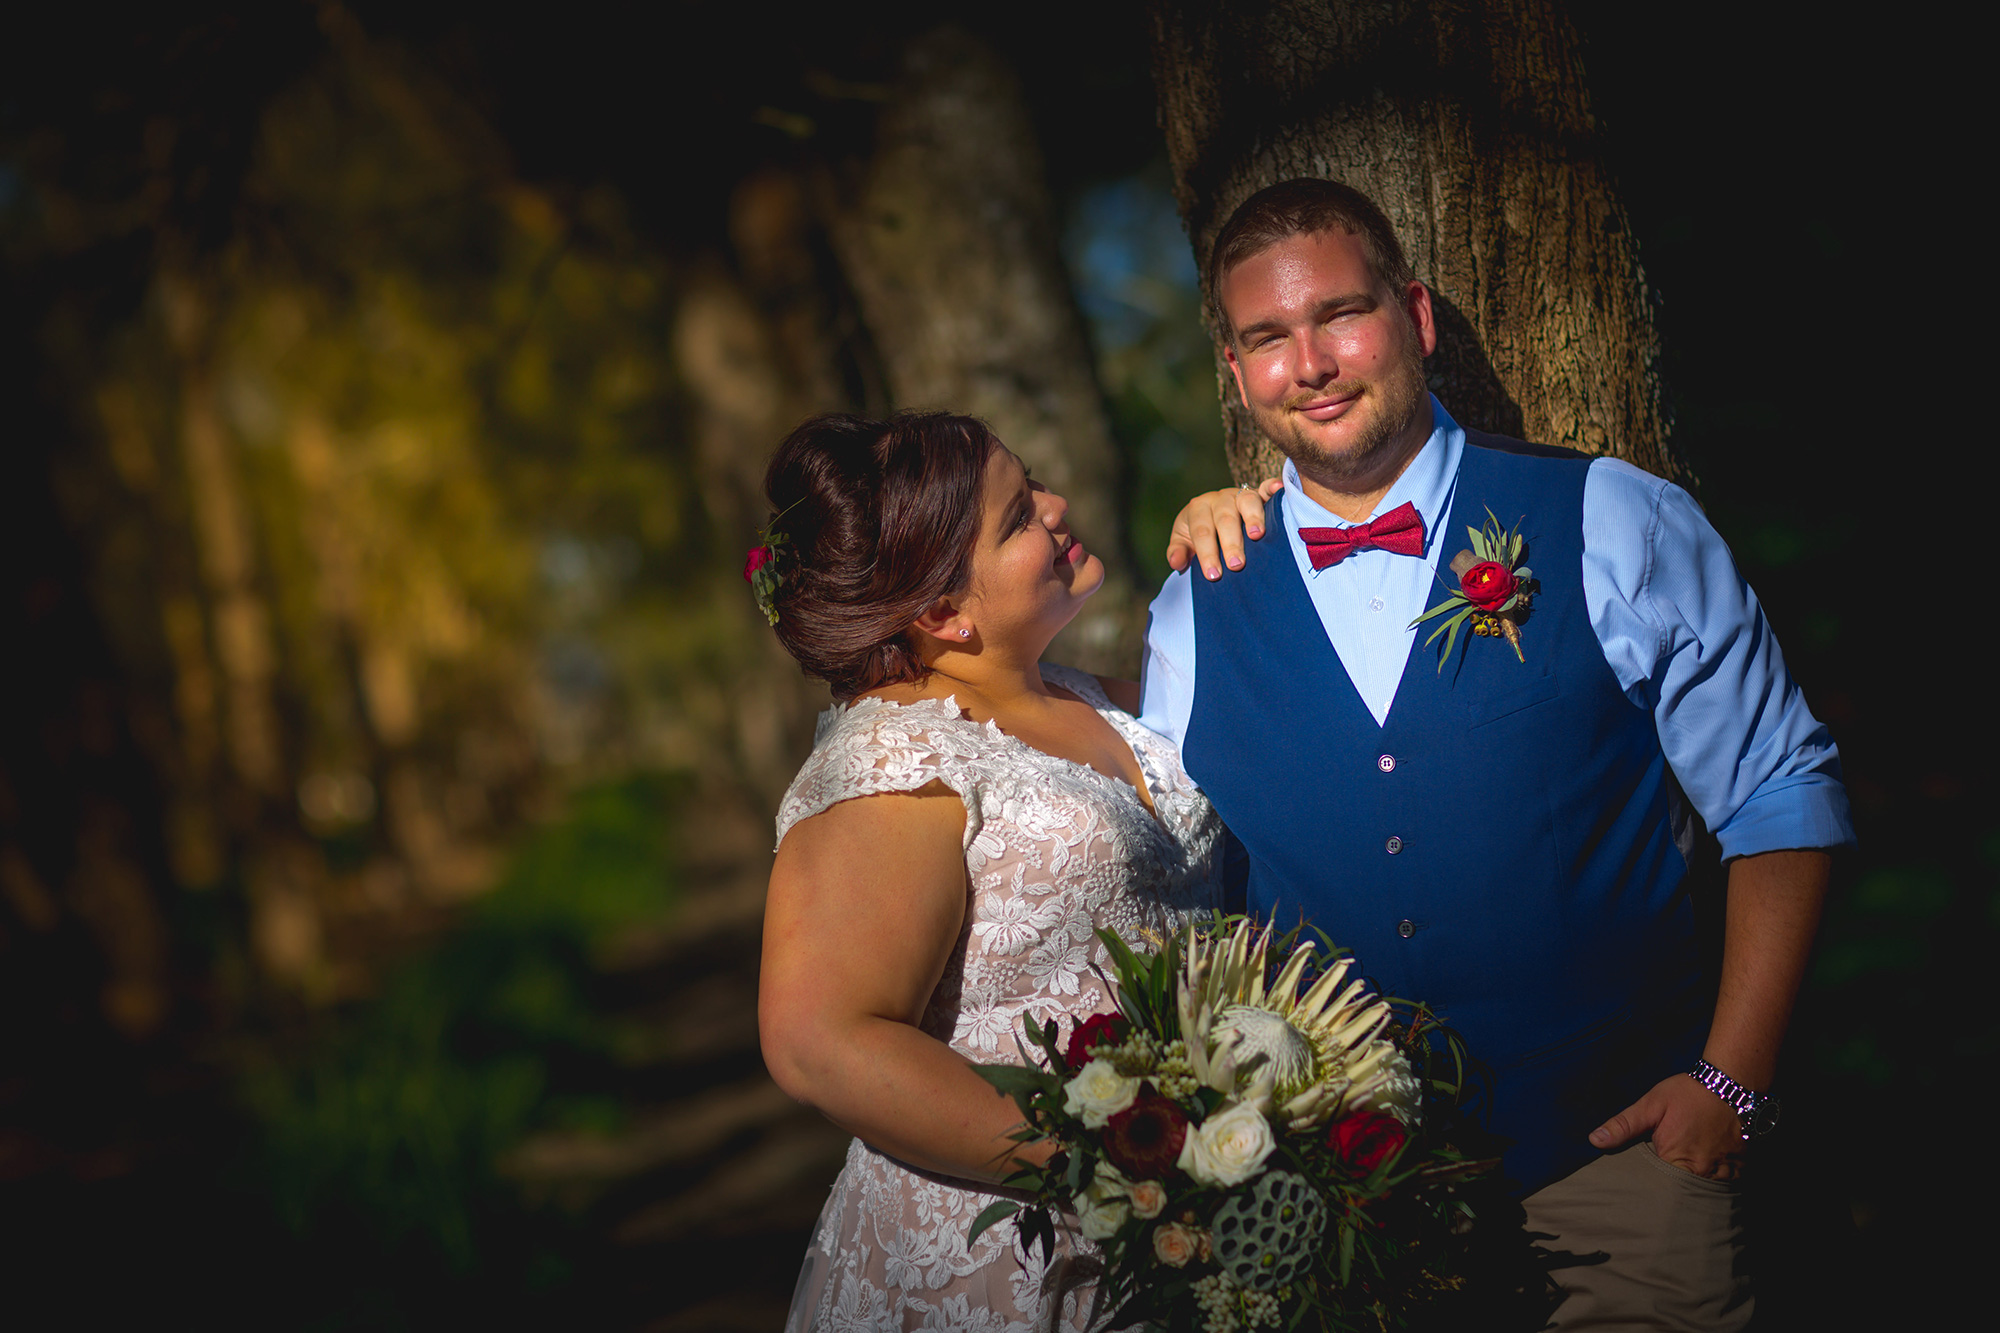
(1039, 1226)
(1016, 1079)
(1451, 625)
(1454, 600)
(993, 1212)
(1451, 640)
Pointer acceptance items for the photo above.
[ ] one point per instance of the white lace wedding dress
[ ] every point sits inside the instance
(1053, 850)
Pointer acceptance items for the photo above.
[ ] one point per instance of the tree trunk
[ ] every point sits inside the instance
(1467, 121)
(947, 235)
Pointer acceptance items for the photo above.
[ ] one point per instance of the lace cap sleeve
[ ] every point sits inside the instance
(873, 746)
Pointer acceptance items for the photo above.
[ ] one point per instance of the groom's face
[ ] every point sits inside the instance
(1328, 357)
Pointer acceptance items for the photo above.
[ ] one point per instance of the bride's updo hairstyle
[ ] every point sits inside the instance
(881, 517)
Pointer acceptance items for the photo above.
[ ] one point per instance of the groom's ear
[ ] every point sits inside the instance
(1235, 368)
(1417, 300)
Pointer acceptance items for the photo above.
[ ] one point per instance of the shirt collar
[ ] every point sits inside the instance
(1427, 483)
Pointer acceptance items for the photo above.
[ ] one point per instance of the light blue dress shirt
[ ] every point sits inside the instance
(1679, 627)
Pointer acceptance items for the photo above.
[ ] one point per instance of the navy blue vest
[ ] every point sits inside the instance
(1500, 850)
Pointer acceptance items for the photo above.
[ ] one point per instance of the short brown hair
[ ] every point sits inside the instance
(1305, 206)
(881, 518)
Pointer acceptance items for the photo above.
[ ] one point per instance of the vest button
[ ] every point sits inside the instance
(1394, 845)
(1406, 928)
(1387, 763)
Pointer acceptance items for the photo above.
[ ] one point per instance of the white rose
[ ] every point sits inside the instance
(1228, 1147)
(1102, 1207)
(1174, 1244)
(1149, 1198)
(1099, 1092)
(1101, 1220)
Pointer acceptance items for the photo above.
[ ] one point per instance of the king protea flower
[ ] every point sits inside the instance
(1296, 1057)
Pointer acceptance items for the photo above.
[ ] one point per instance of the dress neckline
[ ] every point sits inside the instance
(950, 711)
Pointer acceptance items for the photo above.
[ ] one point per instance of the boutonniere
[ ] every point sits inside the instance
(1495, 590)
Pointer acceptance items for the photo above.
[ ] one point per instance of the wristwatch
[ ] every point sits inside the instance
(1758, 1111)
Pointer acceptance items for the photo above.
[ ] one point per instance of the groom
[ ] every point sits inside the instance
(1491, 833)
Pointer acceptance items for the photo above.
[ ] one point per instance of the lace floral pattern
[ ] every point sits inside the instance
(1053, 851)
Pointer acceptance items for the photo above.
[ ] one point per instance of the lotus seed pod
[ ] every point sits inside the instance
(1265, 1237)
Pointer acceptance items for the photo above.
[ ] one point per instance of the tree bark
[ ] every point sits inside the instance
(1468, 122)
(947, 234)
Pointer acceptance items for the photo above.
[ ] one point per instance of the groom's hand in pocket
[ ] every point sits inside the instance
(1210, 528)
(1690, 1127)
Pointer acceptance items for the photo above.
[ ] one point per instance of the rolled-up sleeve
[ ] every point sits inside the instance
(1166, 681)
(1687, 639)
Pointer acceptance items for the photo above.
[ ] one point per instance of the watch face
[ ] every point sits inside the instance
(1762, 1120)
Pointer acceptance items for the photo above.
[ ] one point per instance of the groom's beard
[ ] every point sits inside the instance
(1387, 406)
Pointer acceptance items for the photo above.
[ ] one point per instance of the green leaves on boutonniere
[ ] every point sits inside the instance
(1495, 590)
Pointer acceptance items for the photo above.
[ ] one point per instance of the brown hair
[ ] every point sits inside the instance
(1305, 206)
(881, 518)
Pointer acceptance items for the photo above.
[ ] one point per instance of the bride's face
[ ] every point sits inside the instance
(1029, 572)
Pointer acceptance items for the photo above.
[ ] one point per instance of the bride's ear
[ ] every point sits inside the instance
(945, 623)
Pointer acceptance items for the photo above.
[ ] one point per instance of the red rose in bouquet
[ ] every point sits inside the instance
(1144, 1140)
(1097, 1030)
(1364, 1140)
(1488, 584)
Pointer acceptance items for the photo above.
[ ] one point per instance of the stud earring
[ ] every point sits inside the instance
(965, 634)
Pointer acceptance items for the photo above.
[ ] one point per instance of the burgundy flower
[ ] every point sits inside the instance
(759, 557)
(1366, 1139)
(1097, 1030)
(1144, 1140)
(1488, 584)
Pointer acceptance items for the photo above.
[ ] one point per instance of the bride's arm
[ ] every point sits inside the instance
(866, 904)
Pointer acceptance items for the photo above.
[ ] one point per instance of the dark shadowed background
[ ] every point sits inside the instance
(388, 744)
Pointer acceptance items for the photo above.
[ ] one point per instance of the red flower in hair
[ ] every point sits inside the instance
(1097, 1030)
(759, 557)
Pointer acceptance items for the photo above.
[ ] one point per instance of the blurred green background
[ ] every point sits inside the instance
(388, 745)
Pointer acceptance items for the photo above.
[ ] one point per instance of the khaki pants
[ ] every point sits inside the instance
(1638, 1243)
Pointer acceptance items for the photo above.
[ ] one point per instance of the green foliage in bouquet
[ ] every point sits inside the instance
(1254, 1140)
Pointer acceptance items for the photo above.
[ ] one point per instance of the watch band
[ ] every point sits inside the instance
(1758, 1111)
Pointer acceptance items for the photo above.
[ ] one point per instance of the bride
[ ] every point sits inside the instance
(967, 819)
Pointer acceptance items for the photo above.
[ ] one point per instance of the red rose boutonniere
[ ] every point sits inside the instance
(1495, 590)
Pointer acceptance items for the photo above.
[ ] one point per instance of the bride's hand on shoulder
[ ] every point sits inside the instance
(1211, 527)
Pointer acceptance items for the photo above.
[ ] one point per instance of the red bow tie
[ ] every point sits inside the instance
(1400, 530)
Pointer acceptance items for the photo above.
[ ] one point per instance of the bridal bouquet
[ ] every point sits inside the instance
(1251, 1141)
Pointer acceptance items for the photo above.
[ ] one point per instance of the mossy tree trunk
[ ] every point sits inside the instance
(1469, 122)
(947, 234)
